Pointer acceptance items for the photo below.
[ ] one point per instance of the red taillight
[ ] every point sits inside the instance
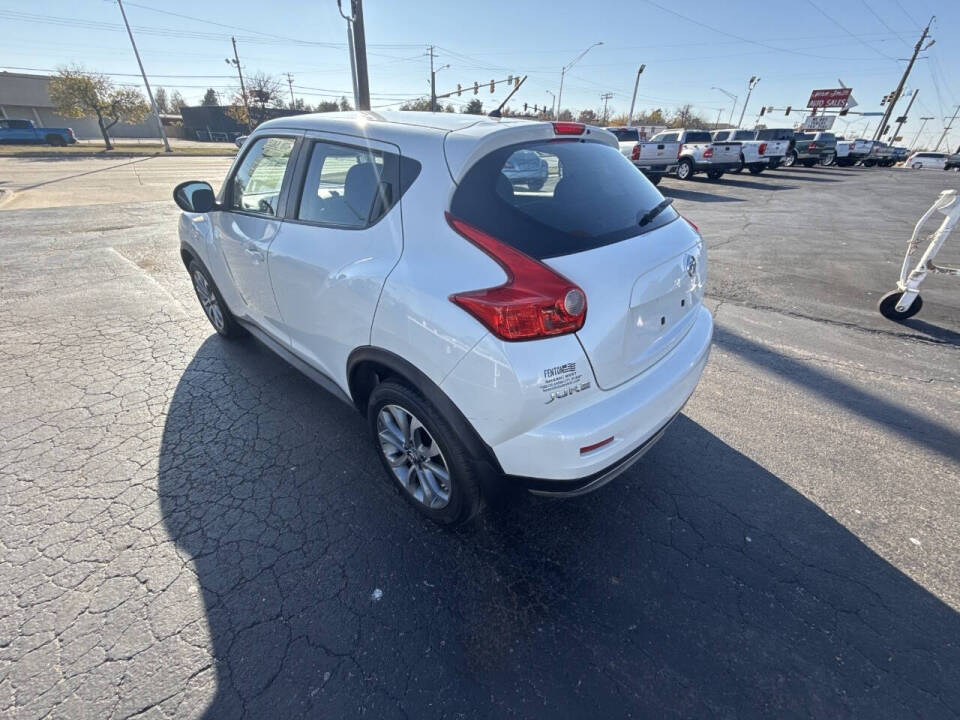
(812, 146)
(708, 153)
(691, 224)
(763, 148)
(534, 302)
(568, 128)
(635, 155)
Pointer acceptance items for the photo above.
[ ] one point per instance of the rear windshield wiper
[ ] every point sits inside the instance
(651, 214)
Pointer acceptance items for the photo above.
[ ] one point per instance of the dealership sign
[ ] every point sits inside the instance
(836, 98)
(818, 122)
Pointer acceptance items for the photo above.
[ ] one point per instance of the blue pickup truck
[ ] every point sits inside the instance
(23, 132)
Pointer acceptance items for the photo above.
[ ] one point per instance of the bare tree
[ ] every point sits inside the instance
(177, 103)
(76, 93)
(160, 98)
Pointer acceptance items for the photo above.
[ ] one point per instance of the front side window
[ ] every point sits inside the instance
(257, 183)
(558, 197)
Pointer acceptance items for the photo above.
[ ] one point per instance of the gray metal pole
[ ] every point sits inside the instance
(903, 80)
(633, 100)
(290, 83)
(750, 86)
(153, 104)
(913, 97)
(947, 129)
(360, 48)
(433, 83)
(563, 72)
(243, 89)
(923, 124)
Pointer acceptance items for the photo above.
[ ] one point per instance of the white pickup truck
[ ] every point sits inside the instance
(699, 153)
(752, 151)
(844, 148)
(653, 159)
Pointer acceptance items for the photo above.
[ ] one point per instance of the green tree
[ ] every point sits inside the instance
(345, 104)
(210, 98)
(565, 115)
(160, 98)
(449, 108)
(328, 106)
(421, 104)
(76, 93)
(587, 116)
(474, 107)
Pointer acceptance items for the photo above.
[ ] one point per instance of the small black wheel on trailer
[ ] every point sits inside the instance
(888, 306)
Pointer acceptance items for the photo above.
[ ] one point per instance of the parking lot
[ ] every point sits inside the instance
(192, 527)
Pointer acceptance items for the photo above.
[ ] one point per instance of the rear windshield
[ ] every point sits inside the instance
(699, 137)
(744, 135)
(627, 135)
(558, 197)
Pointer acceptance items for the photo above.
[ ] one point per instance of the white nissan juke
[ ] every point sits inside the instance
(491, 330)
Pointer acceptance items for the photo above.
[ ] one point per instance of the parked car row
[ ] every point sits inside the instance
(684, 152)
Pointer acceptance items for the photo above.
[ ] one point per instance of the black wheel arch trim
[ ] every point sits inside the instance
(360, 388)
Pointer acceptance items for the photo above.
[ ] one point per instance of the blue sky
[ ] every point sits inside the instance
(688, 48)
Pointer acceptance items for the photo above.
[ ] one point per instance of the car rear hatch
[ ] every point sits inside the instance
(600, 225)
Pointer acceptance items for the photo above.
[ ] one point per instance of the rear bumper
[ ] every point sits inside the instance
(724, 166)
(656, 169)
(547, 459)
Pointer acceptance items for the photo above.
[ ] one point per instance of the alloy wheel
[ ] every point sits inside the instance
(414, 456)
(208, 299)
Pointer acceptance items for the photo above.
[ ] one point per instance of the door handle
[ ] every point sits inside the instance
(254, 253)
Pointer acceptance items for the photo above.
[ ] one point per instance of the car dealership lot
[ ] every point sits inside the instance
(190, 525)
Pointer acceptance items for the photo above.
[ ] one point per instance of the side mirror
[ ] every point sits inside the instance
(195, 196)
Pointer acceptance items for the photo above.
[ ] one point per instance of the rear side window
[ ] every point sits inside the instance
(352, 187)
(699, 137)
(559, 197)
(627, 135)
(744, 135)
(665, 137)
(774, 134)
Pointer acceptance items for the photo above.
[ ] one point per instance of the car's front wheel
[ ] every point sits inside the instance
(212, 303)
(422, 454)
(790, 159)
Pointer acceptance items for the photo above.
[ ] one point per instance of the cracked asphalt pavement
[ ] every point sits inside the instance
(190, 528)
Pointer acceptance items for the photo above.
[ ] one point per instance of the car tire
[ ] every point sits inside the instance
(56, 140)
(416, 446)
(685, 169)
(888, 306)
(739, 168)
(828, 160)
(715, 174)
(917, 166)
(790, 159)
(211, 301)
(869, 163)
(756, 169)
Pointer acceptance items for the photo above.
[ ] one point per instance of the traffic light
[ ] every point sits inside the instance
(492, 83)
(509, 79)
(886, 99)
(524, 107)
(787, 111)
(763, 110)
(516, 81)
(844, 111)
(901, 119)
(476, 87)
(458, 89)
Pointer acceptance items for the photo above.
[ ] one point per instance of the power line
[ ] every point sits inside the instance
(859, 40)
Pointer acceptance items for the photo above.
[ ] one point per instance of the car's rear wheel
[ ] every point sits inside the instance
(828, 160)
(56, 140)
(685, 169)
(790, 159)
(917, 166)
(756, 169)
(714, 174)
(422, 454)
(212, 303)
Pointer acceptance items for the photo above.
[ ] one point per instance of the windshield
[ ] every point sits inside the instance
(581, 195)
(698, 136)
(744, 135)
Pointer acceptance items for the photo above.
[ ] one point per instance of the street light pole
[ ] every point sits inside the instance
(751, 84)
(153, 104)
(923, 124)
(903, 81)
(732, 97)
(563, 71)
(947, 129)
(243, 90)
(633, 100)
(553, 114)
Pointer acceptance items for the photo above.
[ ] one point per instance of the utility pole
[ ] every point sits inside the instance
(903, 118)
(243, 89)
(433, 81)
(563, 71)
(153, 104)
(947, 128)
(751, 84)
(605, 96)
(357, 44)
(553, 113)
(719, 113)
(290, 83)
(732, 97)
(903, 80)
(633, 100)
(923, 124)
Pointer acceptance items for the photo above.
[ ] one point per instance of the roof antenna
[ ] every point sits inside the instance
(496, 113)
